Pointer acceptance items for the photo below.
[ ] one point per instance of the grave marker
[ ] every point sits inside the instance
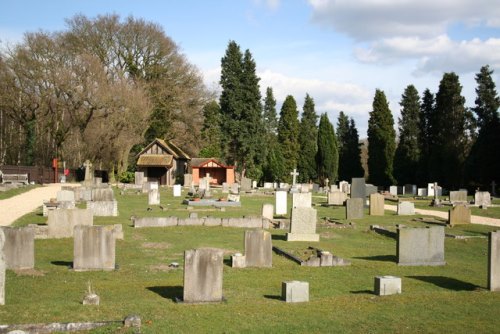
(420, 246)
(94, 248)
(303, 225)
(295, 291)
(459, 214)
(493, 261)
(376, 205)
(203, 275)
(258, 249)
(177, 190)
(281, 202)
(19, 247)
(354, 208)
(301, 200)
(358, 188)
(406, 208)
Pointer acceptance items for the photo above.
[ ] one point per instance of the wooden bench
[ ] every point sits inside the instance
(14, 178)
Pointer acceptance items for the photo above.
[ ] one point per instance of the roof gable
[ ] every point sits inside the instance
(160, 146)
(207, 162)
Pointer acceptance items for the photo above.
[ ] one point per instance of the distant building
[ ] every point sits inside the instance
(163, 161)
(220, 173)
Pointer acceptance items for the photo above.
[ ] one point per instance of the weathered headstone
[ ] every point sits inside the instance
(89, 173)
(238, 260)
(493, 261)
(345, 187)
(203, 275)
(258, 249)
(376, 205)
(139, 178)
(235, 188)
(268, 211)
(354, 208)
(301, 200)
(387, 285)
(154, 197)
(177, 190)
(459, 214)
(19, 247)
(459, 196)
(406, 208)
(393, 190)
(188, 180)
(246, 184)
(482, 198)
(337, 198)
(65, 196)
(420, 246)
(102, 194)
(254, 184)
(295, 291)
(422, 192)
(225, 188)
(358, 188)
(268, 185)
(2, 268)
(94, 248)
(61, 222)
(370, 189)
(303, 225)
(103, 208)
(281, 202)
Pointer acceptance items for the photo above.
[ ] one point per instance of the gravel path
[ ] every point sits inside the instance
(15, 207)
(474, 219)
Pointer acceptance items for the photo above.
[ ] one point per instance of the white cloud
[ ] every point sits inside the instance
(373, 19)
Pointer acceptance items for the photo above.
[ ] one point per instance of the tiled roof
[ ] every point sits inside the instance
(159, 160)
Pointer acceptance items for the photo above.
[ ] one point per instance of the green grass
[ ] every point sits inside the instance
(16, 191)
(445, 299)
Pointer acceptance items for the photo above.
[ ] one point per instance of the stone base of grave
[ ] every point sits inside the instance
(387, 285)
(295, 291)
(438, 263)
(91, 299)
(302, 237)
(238, 261)
(180, 300)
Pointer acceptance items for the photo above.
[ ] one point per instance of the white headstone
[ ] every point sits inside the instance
(177, 190)
(154, 197)
(281, 202)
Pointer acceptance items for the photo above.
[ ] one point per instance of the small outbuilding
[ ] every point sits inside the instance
(162, 161)
(219, 172)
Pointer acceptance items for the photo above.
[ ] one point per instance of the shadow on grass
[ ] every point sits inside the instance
(168, 292)
(475, 233)
(447, 283)
(362, 292)
(386, 258)
(228, 262)
(276, 297)
(67, 264)
(278, 237)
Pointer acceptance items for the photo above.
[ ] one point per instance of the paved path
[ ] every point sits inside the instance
(474, 219)
(15, 207)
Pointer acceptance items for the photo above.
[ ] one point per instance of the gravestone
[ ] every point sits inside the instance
(358, 188)
(459, 214)
(254, 184)
(235, 188)
(334, 187)
(177, 190)
(246, 184)
(98, 181)
(94, 248)
(345, 187)
(139, 178)
(62, 222)
(2, 268)
(281, 198)
(406, 208)
(387, 285)
(154, 197)
(393, 190)
(411, 189)
(315, 187)
(268, 211)
(295, 291)
(482, 198)
(203, 275)
(303, 225)
(258, 249)
(422, 192)
(268, 185)
(376, 205)
(354, 208)
(420, 246)
(233, 198)
(370, 189)
(225, 188)
(337, 198)
(294, 175)
(238, 260)
(434, 190)
(102, 194)
(401, 190)
(493, 261)
(459, 196)
(301, 200)
(65, 196)
(188, 180)
(103, 208)
(89, 174)
(19, 247)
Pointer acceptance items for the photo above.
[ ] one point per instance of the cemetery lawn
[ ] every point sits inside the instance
(446, 299)
(16, 191)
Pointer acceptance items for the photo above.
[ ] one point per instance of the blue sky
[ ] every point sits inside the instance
(337, 51)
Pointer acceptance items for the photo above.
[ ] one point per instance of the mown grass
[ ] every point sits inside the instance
(445, 299)
(16, 191)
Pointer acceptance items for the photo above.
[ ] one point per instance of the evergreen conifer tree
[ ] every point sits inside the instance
(349, 148)
(288, 135)
(427, 135)
(407, 156)
(381, 141)
(308, 141)
(273, 167)
(327, 157)
(210, 133)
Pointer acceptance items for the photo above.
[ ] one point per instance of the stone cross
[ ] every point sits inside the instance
(327, 181)
(294, 175)
(88, 173)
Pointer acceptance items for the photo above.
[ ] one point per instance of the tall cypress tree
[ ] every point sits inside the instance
(452, 141)
(241, 111)
(308, 141)
(427, 126)
(381, 141)
(210, 133)
(288, 135)
(327, 157)
(349, 148)
(407, 156)
(274, 169)
(483, 162)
